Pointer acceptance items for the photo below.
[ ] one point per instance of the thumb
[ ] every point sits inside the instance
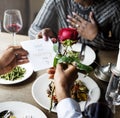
(45, 37)
(71, 69)
(91, 16)
(59, 67)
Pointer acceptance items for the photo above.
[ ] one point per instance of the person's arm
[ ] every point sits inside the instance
(11, 57)
(46, 18)
(64, 78)
(101, 39)
(68, 108)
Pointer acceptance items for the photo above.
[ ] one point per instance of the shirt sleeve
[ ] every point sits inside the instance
(46, 18)
(68, 108)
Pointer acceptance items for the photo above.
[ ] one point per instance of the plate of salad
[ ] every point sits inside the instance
(17, 75)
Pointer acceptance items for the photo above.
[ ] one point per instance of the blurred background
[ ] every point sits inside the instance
(28, 8)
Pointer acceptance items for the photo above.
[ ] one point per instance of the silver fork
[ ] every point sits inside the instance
(82, 52)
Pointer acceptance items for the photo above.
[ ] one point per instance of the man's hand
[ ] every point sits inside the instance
(11, 57)
(46, 33)
(64, 77)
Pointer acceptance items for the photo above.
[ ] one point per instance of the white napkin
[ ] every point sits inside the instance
(41, 53)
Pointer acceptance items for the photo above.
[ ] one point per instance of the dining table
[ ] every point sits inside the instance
(22, 91)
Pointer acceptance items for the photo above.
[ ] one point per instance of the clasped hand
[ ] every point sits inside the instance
(86, 29)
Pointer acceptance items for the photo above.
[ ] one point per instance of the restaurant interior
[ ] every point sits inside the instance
(24, 93)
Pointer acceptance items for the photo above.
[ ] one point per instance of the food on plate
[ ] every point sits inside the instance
(12, 116)
(79, 92)
(17, 73)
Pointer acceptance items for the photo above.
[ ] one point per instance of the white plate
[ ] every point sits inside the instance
(20, 109)
(28, 73)
(41, 84)
(89, 53)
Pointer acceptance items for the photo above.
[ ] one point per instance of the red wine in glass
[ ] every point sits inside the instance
(14, 28)
(12, 22)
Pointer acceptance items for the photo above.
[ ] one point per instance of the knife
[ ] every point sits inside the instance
(59, 48)
(82, 52)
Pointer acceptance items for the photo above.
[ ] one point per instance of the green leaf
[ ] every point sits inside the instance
(56, 58)
(65, 59)
(83, 67)
(71, 57)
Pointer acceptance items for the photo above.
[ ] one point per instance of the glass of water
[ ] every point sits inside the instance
(113, 90)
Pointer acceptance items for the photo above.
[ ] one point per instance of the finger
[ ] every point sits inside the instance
(71, 68)
(54, 40)
(78, 17)
(51, 70)
(22, 61)
(39, 35)
(91, 18)
(59, 67)
(72, 21)
(51, 76)
(17, 50)
(44, 35)
(14, 47)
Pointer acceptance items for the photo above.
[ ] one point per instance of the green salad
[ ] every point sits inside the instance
(17, 73)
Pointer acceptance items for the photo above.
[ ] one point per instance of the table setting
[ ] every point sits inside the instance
(29, 87)
(27, 97)
(41, 84)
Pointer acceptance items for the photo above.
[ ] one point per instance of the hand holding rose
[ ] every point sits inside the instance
(63, 79)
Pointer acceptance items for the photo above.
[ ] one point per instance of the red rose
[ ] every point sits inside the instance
(67, 34)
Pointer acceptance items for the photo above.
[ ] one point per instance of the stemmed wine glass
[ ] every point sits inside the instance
(12, 22)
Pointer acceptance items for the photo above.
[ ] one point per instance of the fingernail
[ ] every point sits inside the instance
(68, 20)
(44, 37)
(69, 16)
(73, 13)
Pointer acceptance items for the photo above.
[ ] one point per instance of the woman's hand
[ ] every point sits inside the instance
(46, 33)
(86, 29)
(11, 57)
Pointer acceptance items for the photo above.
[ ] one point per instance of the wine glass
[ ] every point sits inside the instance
(113, 90)
(98, 110)
(12, 22)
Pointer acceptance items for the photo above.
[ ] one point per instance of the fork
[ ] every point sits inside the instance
(82, 52)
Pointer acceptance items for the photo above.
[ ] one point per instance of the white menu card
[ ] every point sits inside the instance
(41, 53)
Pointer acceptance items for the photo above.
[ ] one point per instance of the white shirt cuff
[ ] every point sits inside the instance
(68, 108)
